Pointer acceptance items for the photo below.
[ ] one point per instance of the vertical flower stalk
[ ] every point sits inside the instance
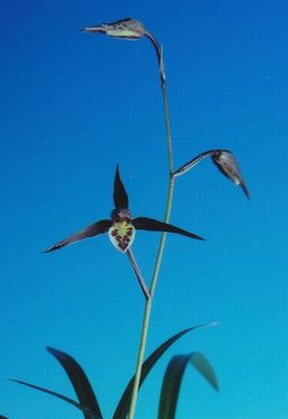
(169, 199)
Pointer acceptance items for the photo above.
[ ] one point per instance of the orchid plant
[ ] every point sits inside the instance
(121, 229)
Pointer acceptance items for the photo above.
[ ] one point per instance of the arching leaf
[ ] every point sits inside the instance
(78, 379)
(88, 402)
(87, 413)
(124, 403)
(173, 379)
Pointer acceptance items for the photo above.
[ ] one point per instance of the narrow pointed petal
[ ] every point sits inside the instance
(90, 231)
(144, 223)
(122, 234)
(191, 163)
(126, 28)
(227, 164)
(119, 195)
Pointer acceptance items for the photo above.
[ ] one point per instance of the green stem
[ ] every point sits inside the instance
(148, 305)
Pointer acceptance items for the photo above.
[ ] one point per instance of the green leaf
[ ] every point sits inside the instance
(88, 402)
(78, 379)
(85, 410)
(124, 403)
(173, 379)
(203, 366)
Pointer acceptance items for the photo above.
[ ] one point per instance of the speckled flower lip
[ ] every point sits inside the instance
(122, 234)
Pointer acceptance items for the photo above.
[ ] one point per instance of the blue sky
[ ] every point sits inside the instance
(74, 105)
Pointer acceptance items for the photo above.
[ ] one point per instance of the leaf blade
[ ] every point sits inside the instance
(87, 413)
(203, 366)
(78, 380)
(124, 402)
(173, 379)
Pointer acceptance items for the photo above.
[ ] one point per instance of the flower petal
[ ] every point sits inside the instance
(90, 231)
(122, 234)
(144, 223)
(119, 194)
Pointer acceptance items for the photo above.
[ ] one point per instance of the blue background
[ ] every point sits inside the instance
(72, 106)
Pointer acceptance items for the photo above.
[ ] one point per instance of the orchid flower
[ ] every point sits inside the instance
(126, 28)
(226, 163)
(122, 227)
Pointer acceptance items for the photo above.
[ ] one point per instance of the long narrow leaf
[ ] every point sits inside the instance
(173, 379)
(124, 403)
(79, 381)
(87, 413)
